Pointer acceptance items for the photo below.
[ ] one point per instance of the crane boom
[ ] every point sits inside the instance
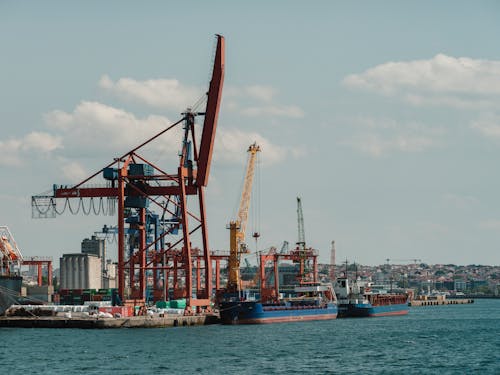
(214, 97)
(247, 190)
(237, 227)
(300, 222)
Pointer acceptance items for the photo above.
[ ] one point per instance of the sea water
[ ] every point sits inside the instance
(452, 339)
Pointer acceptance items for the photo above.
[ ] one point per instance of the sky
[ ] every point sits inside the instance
(384, 117)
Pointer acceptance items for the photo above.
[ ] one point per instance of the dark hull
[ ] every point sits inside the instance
(252, 312)
(10, 291)
(352, 310)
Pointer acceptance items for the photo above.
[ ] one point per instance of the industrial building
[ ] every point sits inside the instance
(80, 271)
(96, 246)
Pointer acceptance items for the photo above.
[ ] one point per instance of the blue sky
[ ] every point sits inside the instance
(383, 116)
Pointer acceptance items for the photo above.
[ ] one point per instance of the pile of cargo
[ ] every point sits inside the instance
(117, 311)
(172, 304)
(80, 296)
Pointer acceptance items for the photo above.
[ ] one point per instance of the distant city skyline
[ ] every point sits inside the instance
(383, 117)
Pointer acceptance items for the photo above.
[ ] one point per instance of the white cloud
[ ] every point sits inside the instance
(159, 93)
(171, 94)
(264, 93)
(488, 125)
(443, 80)
(74, 172)
(32, 145)
(258, 100)
(40, 141)
(97, 129)
(379, 137)
(231, 144)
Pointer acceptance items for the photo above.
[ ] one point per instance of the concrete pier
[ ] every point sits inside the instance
(102, 323)
(437, 302)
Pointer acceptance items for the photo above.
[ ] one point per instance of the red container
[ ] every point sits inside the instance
(122, 310)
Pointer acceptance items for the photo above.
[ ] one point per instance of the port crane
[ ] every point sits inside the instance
(10, 254)
(332, 262)
(132, 184)
(237, 227)
(301, 244)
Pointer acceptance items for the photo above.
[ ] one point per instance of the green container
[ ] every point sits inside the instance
(178, 303)
(162, 304)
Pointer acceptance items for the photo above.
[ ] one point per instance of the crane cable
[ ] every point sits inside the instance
(96, 208)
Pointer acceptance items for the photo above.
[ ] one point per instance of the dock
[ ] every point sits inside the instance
(441, 301)
(104, 323)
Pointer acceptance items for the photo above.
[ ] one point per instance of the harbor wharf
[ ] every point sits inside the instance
(102, 323)
(437, 302)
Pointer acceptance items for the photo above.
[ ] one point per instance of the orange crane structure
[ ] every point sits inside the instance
(237, 227)
(133, 184)
(10, 254)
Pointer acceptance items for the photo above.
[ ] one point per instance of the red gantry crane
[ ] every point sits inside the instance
(134, 183)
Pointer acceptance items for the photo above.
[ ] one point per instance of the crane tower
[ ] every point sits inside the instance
(237, 228)
(133, 185)
(300, 223)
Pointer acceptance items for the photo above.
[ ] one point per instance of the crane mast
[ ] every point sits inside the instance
(237, 227)
(300, 222)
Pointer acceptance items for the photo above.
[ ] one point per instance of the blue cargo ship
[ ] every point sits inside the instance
(359, 301)
(314, 302)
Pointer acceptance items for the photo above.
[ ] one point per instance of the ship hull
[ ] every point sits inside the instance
(368, 310)
(10, 290)
(252, 312)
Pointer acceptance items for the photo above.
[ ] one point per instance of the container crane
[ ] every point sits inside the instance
(237, 228)
(301, 243)
(284, 247)
(133, 183)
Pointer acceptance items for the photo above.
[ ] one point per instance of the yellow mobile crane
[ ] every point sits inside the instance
(237, 245)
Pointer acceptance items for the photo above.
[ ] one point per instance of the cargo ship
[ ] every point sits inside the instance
(311, 302)
(10, 259)
(355, 301)
(10, 291)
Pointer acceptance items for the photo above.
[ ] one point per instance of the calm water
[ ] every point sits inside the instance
(457, 339)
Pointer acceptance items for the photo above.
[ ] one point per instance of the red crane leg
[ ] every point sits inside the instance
(217, 274)
(176, 274)
(198, 275)
(188, 267)
(206, 250)
(49, 273)
(142, 252)
(121, 236)
(39, 273)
